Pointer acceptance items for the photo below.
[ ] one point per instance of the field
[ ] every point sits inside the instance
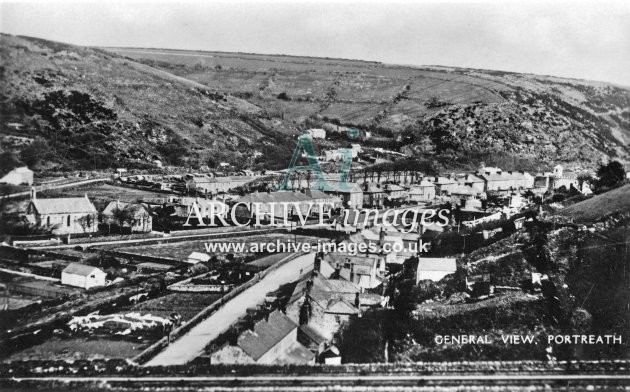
(186, 304)
(80, 348)
(597, 207)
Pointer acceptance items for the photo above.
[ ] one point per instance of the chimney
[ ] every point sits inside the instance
(33, 193)
(318, 264)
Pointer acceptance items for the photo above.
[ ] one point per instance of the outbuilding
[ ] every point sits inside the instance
(84, 276)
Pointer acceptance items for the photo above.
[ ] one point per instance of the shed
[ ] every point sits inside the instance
(84, 276)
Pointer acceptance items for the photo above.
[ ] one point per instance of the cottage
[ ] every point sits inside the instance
(349, 192)
(373, 195)
(433, 268)
(63, 215)
(324, 303)
(500, 181)
(271, 341)
(444, 185)
(472, 181)
(84, 276)
(134, 216)
(396, 192)
(424, 191)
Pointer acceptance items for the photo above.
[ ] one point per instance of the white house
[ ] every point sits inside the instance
(18, 176)
(84, 276)
(69, 215)
(434, 268)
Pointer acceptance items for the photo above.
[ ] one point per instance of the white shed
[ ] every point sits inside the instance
(197, 257)
(84, 276)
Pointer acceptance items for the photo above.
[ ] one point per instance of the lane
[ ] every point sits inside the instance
(191, 345)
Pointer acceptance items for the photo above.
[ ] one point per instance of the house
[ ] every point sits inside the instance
(325, 303)
(70, 215)
(367, 271)
(500, 181)
(197, 257)
(395, 192)
(350, 193)
(84, 276)
(185, 206)
(270, 341)
(472, 181)
(443, 185)
(434, 268)
(136, 216)
(373, 195)
(424, 191)
(16, 176)
(566, 179)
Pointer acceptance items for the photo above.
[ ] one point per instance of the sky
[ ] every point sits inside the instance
(577, 39)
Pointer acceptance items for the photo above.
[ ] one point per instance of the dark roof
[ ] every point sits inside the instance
(266, 334)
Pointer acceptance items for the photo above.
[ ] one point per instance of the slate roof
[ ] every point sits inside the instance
(266, 334)
(80, 269)
(341, 306)
(66, 205)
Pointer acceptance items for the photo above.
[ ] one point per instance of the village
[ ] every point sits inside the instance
(116, 254)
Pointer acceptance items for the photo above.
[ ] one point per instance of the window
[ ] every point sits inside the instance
(68, 224)
(47, 221)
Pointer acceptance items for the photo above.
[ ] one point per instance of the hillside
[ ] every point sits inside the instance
(99, 108)
(89, 109)
(441, 112)
(598, 207)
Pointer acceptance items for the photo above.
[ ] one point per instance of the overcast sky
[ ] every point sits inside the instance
(582, 39)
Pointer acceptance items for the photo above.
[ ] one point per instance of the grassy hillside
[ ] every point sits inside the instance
(440, 111)
(600, 206)
(68, 107)
(90, 109)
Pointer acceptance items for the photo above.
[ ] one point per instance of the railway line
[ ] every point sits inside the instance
(444, 382)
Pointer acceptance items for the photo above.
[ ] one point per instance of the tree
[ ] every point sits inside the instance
(610, 175)
(86, 222)
(35, 152)
(122, 216)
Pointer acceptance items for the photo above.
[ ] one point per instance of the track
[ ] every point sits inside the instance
(468, 382)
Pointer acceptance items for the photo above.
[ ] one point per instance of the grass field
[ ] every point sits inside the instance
(615, 201)
(80, 348)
